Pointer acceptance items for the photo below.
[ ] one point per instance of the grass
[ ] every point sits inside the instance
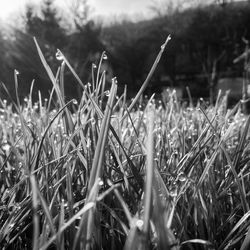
(98, 174)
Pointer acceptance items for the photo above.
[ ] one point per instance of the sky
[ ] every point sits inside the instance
(101, 7)
(106, 7)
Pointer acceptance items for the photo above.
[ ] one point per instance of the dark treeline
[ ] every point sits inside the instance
(205, 42)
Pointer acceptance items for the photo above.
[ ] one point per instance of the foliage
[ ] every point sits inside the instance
(47, 26)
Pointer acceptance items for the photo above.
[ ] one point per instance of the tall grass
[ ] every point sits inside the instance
(98, 174)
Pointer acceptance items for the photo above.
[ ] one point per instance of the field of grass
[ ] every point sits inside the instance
(102, 174)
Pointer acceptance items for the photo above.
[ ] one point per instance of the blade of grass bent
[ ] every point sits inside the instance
(44, 134)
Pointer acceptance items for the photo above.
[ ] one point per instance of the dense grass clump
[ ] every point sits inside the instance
(98, 174)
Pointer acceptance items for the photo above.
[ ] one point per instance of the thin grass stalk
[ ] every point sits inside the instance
(70, 200)
(30, 93)
(48, 108)
(103, 56)
(217, 100)
(191, 104)
(60, 237)
(101, 85)
(25, 128)
(149, 76)
(16, 73)
(93, 76)
(62, 70)
(149, 178)
(35, 243)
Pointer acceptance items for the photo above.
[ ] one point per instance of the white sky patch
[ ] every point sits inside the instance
(8, 7)
(106, 8)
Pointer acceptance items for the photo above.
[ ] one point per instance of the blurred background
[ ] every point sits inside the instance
(209, 49)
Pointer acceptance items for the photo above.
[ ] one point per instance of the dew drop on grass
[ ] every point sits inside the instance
(107, 93)
(59, 55)
(75, 101)
(105, 57)
(182, 177)
(6, 147)
(93, 122)
(167, 40)
(139, 224)
(17, 72)
(100, 183)
(114, 80)
(94, 66)
(173, 191)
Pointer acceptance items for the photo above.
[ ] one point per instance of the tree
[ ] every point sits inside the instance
(23, 56)
(170, 7)
(52, 31)
(45, 26)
